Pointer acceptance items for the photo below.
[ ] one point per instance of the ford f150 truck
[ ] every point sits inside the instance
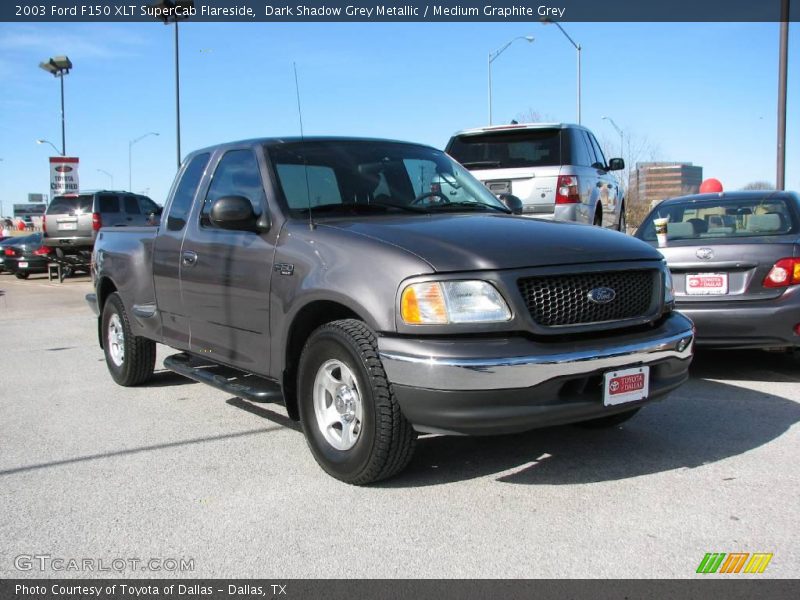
(334, 275)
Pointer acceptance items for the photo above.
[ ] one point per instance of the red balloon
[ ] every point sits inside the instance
(711, 186)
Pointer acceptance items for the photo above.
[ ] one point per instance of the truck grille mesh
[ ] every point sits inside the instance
(557, 300)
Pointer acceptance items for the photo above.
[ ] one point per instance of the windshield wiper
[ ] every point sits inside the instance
(473, 205)
(358, 207)
(405, 207)
(481, 163)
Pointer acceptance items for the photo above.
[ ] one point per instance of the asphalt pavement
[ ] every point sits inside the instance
(194, 483)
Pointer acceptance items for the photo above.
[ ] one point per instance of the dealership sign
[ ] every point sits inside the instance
(63, 175)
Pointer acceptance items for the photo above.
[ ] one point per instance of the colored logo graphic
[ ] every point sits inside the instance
(735, 562)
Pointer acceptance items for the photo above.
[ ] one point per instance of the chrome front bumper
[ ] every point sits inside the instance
(476, 364)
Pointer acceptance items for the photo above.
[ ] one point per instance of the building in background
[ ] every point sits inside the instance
(652, 182)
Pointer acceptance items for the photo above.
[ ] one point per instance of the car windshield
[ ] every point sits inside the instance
(721, 218)
(508, 149)
(70, 205)
(331, 178)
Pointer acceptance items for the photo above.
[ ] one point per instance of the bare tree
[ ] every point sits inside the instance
(533, 116)
(759, 185)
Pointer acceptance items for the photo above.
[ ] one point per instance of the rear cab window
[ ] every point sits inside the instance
(510, 149)
(185, 192)
(722, 218)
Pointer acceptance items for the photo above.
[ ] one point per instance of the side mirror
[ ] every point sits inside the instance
(233, 212)
(616, 164)
(513, 203)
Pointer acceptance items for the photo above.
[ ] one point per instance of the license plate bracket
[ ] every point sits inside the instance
(626, 385)
(706, 284)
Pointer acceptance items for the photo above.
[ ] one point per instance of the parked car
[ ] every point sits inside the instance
(318, 273)
(26, 255)
(72, 221)
(5, 241)
(558, 170)
(735, 261)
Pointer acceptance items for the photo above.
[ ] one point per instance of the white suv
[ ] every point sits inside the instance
(557, 170)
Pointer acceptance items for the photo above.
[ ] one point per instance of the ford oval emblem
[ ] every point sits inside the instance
(705, 253)
(602, 295)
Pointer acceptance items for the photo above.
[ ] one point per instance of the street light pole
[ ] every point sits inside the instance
(110, 176)
(619, 131)
(130, 155)
(780, 178)
(491, 58)
(58, 67)
(578, 49)
(172, 11)
(52, 145)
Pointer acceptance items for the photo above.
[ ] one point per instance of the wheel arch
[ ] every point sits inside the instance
(105, 287)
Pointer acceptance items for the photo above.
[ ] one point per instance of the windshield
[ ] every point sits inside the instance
(722, 218)
(366, 177)
(508, 149)
(70, 205)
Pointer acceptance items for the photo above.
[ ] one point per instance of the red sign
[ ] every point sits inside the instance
(626, 384)
(706, 282)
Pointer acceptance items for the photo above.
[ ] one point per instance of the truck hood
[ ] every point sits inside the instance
(493, 242)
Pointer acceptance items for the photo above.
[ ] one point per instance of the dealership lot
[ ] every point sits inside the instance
(177, 470)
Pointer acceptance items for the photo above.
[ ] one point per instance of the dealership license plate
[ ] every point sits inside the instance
(626, 385)
(23, 265)
(706, 284)
(65, 226)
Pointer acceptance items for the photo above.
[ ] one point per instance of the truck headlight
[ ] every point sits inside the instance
(669, 289)
(442, 302)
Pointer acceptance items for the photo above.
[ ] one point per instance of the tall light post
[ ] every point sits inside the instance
(780, 176)
(51, 144)
(578, 49)
(109, 175)
(172, 11)
(130, 155)
(492, 57)
(58, 67)
(619, 131)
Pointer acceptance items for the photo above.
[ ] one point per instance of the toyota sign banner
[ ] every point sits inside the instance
(63, 175)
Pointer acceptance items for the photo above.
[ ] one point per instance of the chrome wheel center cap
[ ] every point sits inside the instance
(345, 403)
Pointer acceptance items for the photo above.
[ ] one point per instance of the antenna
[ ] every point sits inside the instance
(311, 224)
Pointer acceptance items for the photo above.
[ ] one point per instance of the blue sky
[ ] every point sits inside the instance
(704, 93)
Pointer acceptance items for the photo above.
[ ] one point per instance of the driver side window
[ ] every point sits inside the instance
(237, 174)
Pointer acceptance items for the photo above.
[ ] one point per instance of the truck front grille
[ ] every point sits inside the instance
(562, 300)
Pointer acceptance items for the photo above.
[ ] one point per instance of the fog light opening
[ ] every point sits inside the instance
(683, 344)
(797, 329)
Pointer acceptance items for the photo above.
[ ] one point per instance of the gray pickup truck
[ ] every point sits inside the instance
(333, 275)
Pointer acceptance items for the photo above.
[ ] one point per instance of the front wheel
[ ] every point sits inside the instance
(131, 359)
(623, 223)
(351, 419)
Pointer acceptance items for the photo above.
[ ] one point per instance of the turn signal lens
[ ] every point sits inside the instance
(784, 273)
(423, 303)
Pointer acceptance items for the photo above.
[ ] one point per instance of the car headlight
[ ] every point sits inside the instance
(442, 302)
(669, 289)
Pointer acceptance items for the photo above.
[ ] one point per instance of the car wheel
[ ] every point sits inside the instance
(22, 275)
(598, 218)
(350, 416)
(131, 359)
(609, 421)
(623, 224)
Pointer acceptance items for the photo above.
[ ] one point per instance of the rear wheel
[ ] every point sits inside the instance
(623, 224)
(130, 359)
(609, 421)
(22, 275)
(351, 419)
(598, 218)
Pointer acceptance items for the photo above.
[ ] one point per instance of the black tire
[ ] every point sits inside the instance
(609, 421)
(622, 226)
(138, 358)
(385, 440)
(598, 218)
(22, 275)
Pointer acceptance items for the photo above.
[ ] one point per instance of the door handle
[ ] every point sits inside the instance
(189, 258)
